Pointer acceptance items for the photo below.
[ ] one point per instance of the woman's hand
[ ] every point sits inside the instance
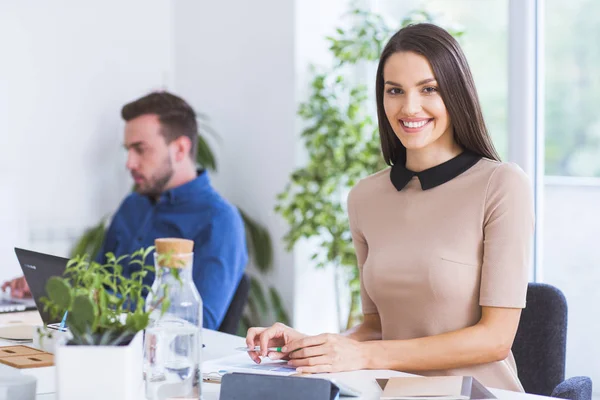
(277, 335)
(326, 353)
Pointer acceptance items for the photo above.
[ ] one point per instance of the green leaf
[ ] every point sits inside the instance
(205, 156)
(59, 292)
(137, 262)
(91, 241)
(258, 242)
(257, 295)
(83, 314)
(137, 321)
(103, 303)
(147, 252)
(177, 275)
(165, 306)
(280, 314)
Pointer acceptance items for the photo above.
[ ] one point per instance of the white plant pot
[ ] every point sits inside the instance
(100, 372)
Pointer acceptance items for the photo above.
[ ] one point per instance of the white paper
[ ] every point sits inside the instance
(243, 363)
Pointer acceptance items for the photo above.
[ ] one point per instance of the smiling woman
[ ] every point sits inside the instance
(442, 238)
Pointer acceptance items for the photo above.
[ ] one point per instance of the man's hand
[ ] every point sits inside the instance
(19, 288)
(326, 353)
(277, 335)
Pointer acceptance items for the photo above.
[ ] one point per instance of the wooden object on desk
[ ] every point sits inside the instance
(30, 361)
(22, 357)
(14, 351)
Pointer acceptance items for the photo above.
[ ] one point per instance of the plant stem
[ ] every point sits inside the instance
(156, 305)
(352, 313)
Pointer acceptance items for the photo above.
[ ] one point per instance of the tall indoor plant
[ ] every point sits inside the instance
(342, 142)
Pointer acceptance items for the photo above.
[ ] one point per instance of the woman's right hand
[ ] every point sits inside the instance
(277, 335)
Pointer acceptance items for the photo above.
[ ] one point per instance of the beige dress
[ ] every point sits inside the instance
(429, 259)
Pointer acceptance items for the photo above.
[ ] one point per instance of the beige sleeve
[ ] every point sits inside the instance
(507, 238)
(361, 248)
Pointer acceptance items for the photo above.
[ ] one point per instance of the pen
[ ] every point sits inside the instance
(257, 348)
(63, 322)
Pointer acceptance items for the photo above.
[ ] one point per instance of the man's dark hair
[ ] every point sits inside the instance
(176, 116)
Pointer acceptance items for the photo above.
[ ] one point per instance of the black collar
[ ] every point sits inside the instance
(434, 176)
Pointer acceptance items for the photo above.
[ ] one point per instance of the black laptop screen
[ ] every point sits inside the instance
(38, 268)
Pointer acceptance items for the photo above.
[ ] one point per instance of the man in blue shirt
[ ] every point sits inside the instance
(173, 199)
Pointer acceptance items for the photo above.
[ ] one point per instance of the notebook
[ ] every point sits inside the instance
(433, 388)
(214, 370)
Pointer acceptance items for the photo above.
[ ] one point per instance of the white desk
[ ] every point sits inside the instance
(221, 344)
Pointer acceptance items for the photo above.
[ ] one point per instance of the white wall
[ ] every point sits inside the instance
(234, 61)
(67, 68)
(245, 64)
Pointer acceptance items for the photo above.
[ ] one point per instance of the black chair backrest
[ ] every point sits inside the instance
(540, 344)
(575, 388)
(236, 307)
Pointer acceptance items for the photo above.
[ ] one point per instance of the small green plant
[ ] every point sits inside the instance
(103, 307)
(43, 332)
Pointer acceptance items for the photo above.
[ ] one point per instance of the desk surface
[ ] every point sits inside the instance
(220, 345)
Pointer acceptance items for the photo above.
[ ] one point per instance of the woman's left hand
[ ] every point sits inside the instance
(326, 353)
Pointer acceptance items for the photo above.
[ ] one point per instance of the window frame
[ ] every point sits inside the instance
(526, 107)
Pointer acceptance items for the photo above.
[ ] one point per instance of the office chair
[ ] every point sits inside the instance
(575, 388)
(540, 345)
(236, 307)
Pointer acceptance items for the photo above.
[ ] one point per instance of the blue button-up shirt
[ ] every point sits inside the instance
(192, 211)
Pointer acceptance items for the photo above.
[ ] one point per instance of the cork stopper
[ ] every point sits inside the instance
(178, 252)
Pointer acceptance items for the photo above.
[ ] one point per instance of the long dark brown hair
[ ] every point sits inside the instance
(456, 87)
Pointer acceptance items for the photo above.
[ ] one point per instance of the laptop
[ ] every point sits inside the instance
(38, 268)
(8, 304)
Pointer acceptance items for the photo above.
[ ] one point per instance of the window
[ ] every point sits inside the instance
(571, 211)
(572, 60)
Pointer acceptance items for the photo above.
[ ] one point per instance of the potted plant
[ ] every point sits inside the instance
(105, 314)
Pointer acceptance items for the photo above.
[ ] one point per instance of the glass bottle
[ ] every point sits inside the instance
(172, 343)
